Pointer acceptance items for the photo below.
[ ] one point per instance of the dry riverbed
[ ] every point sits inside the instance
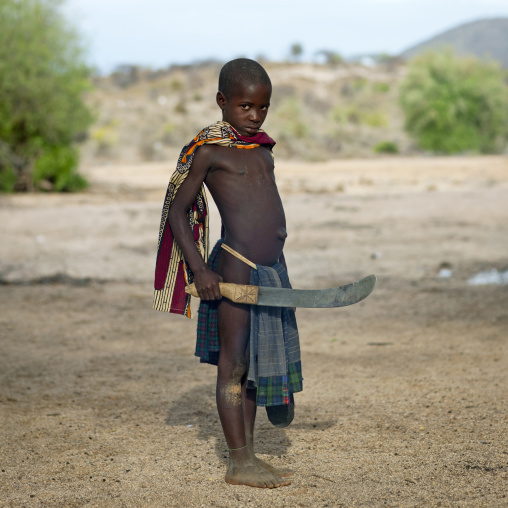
(405, 394)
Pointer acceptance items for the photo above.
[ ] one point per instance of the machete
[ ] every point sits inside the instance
(280, 297)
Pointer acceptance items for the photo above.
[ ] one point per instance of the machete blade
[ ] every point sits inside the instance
(332, 297)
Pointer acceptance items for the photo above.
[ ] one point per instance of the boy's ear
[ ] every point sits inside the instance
(221, 100)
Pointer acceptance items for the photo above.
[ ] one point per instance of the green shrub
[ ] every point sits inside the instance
(386, 147)
(381, 87)
(42, 81)
(337, 115)
(180, 108)
(289, 115)
(358, 115)
(56, 167)
(375, 119)
(7, 179)
(105, 136)
(454, 104)
(176, 85)
(360, 83)
(331, 57)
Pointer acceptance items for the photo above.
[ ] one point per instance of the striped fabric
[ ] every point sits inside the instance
(171, 271)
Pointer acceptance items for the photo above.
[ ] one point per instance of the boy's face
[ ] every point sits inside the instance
(247, 108)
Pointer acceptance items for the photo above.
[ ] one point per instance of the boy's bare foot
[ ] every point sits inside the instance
(254, 476)
(278, 471)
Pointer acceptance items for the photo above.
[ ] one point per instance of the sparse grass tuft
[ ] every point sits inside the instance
(386, 147)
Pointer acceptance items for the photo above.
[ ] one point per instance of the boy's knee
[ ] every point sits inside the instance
(234, 369)
(240, 369)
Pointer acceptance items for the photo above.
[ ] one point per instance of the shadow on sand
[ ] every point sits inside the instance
(196, 408)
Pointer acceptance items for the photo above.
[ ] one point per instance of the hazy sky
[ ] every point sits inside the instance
(162, 32)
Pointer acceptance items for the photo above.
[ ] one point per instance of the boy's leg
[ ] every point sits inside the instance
(249, 411)
(236, 410)
(249, 417)
(231, 371)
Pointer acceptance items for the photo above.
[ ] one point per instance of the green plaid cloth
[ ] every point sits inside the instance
(207, 343)
(274, 368)
(276, 390)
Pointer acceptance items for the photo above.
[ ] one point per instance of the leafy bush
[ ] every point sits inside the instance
(375, 119)
(42, 81)
(7, 179)
(289, 115)
(381, 87)
(359, 115)
(455, 104)
(62, 179)
(386, 147)
(105, 137)
(330, 57)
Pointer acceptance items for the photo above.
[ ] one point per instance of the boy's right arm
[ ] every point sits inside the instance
(206, 281)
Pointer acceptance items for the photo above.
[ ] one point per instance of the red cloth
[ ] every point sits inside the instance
(260, 138)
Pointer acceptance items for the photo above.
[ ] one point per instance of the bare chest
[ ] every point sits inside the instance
(240, 171)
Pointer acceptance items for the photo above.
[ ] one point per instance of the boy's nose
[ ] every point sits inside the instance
(254, 115)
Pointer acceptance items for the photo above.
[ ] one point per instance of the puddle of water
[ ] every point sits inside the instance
(490, 277)
(445, 273)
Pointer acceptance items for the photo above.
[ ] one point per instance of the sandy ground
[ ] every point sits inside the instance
(405, 394)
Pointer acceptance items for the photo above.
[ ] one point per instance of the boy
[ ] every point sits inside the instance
(233, 158)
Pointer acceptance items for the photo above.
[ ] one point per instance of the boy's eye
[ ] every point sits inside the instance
(245, 106)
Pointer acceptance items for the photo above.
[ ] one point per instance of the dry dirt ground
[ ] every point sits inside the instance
(405, 394)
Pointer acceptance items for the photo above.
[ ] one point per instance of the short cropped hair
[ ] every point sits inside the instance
(241, 72)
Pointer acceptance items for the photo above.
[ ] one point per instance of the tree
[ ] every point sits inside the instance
(455, 104)
(296, 51)
(330, 57)
(42, 112)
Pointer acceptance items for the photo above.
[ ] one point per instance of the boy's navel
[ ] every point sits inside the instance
(282, 233)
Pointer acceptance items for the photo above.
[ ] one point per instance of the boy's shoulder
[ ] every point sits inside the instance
(214, 132)
(224, 134)
(204, 143)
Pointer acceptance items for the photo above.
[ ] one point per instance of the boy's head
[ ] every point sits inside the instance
(241, 72)
(244, 95)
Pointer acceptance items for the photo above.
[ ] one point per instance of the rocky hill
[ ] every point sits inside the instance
(317, 111)
(486, 38)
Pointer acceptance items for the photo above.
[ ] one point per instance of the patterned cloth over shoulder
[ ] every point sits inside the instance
(172, 273)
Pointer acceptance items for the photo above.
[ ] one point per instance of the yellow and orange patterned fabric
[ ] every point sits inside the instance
(171, 271)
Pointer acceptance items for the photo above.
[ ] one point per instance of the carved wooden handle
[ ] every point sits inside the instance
(238, 293)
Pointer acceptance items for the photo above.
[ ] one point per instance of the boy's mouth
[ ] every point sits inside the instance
(251, 130)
